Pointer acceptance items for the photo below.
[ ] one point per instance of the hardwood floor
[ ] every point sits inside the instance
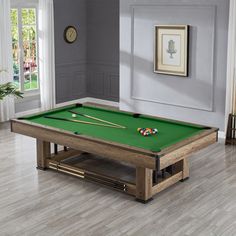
(34, 202)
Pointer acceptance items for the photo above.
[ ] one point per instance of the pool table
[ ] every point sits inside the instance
(159, 160)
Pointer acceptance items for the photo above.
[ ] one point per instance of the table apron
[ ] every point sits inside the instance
(98, 148)
(179, 154)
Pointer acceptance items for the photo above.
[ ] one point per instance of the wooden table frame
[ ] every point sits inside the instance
(147, 163)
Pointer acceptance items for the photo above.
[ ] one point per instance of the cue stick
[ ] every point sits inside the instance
(80, 121)
(95, 118)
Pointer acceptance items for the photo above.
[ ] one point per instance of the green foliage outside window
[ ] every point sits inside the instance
(26, 70)
(15, 68)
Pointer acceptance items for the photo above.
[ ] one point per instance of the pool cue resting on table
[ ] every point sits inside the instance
(98, 119)
(83, 122)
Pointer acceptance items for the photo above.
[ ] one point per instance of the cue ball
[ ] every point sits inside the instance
(74, 115)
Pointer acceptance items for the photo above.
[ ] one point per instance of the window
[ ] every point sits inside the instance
(25, 48)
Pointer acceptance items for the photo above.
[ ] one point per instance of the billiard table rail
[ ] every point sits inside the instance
(116, 151)
(150, 159)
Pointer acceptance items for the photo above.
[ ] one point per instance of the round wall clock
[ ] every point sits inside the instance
(70, 34)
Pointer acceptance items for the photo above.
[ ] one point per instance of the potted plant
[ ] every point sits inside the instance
(9, 89)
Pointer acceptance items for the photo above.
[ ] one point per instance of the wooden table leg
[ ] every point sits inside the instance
(185, 168)
(43, 151)
(143, 184)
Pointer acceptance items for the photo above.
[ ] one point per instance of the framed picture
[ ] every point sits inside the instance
(171, 49)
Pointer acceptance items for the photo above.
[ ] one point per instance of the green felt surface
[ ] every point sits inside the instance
(169, 132)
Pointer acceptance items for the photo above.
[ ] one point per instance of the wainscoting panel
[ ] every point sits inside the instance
(95, 83)
(103, 81)
(70, 81)
(194, 91)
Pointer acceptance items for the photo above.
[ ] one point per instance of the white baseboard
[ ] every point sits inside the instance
(27, 113)
(81, 100)
(103, 102)
(63, 104)
(88, 99)
(221, 135)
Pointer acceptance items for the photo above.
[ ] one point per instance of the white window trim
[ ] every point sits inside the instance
(18, 4)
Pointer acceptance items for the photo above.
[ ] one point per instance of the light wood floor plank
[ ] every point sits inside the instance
(35, 202)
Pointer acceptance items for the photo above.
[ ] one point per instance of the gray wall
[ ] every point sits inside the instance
(103, 49)
(199, 98)
(90, 66)
(70, 59)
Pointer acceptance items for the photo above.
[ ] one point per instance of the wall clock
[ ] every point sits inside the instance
(70, 34)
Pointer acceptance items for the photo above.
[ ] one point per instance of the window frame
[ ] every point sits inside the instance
(19, 5)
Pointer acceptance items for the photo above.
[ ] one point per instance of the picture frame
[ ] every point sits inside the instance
(171, 49)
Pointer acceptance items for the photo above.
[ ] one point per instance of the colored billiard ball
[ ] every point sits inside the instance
(147, 131)
(154, 131)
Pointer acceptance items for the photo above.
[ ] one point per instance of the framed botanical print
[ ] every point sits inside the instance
(171, 49)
